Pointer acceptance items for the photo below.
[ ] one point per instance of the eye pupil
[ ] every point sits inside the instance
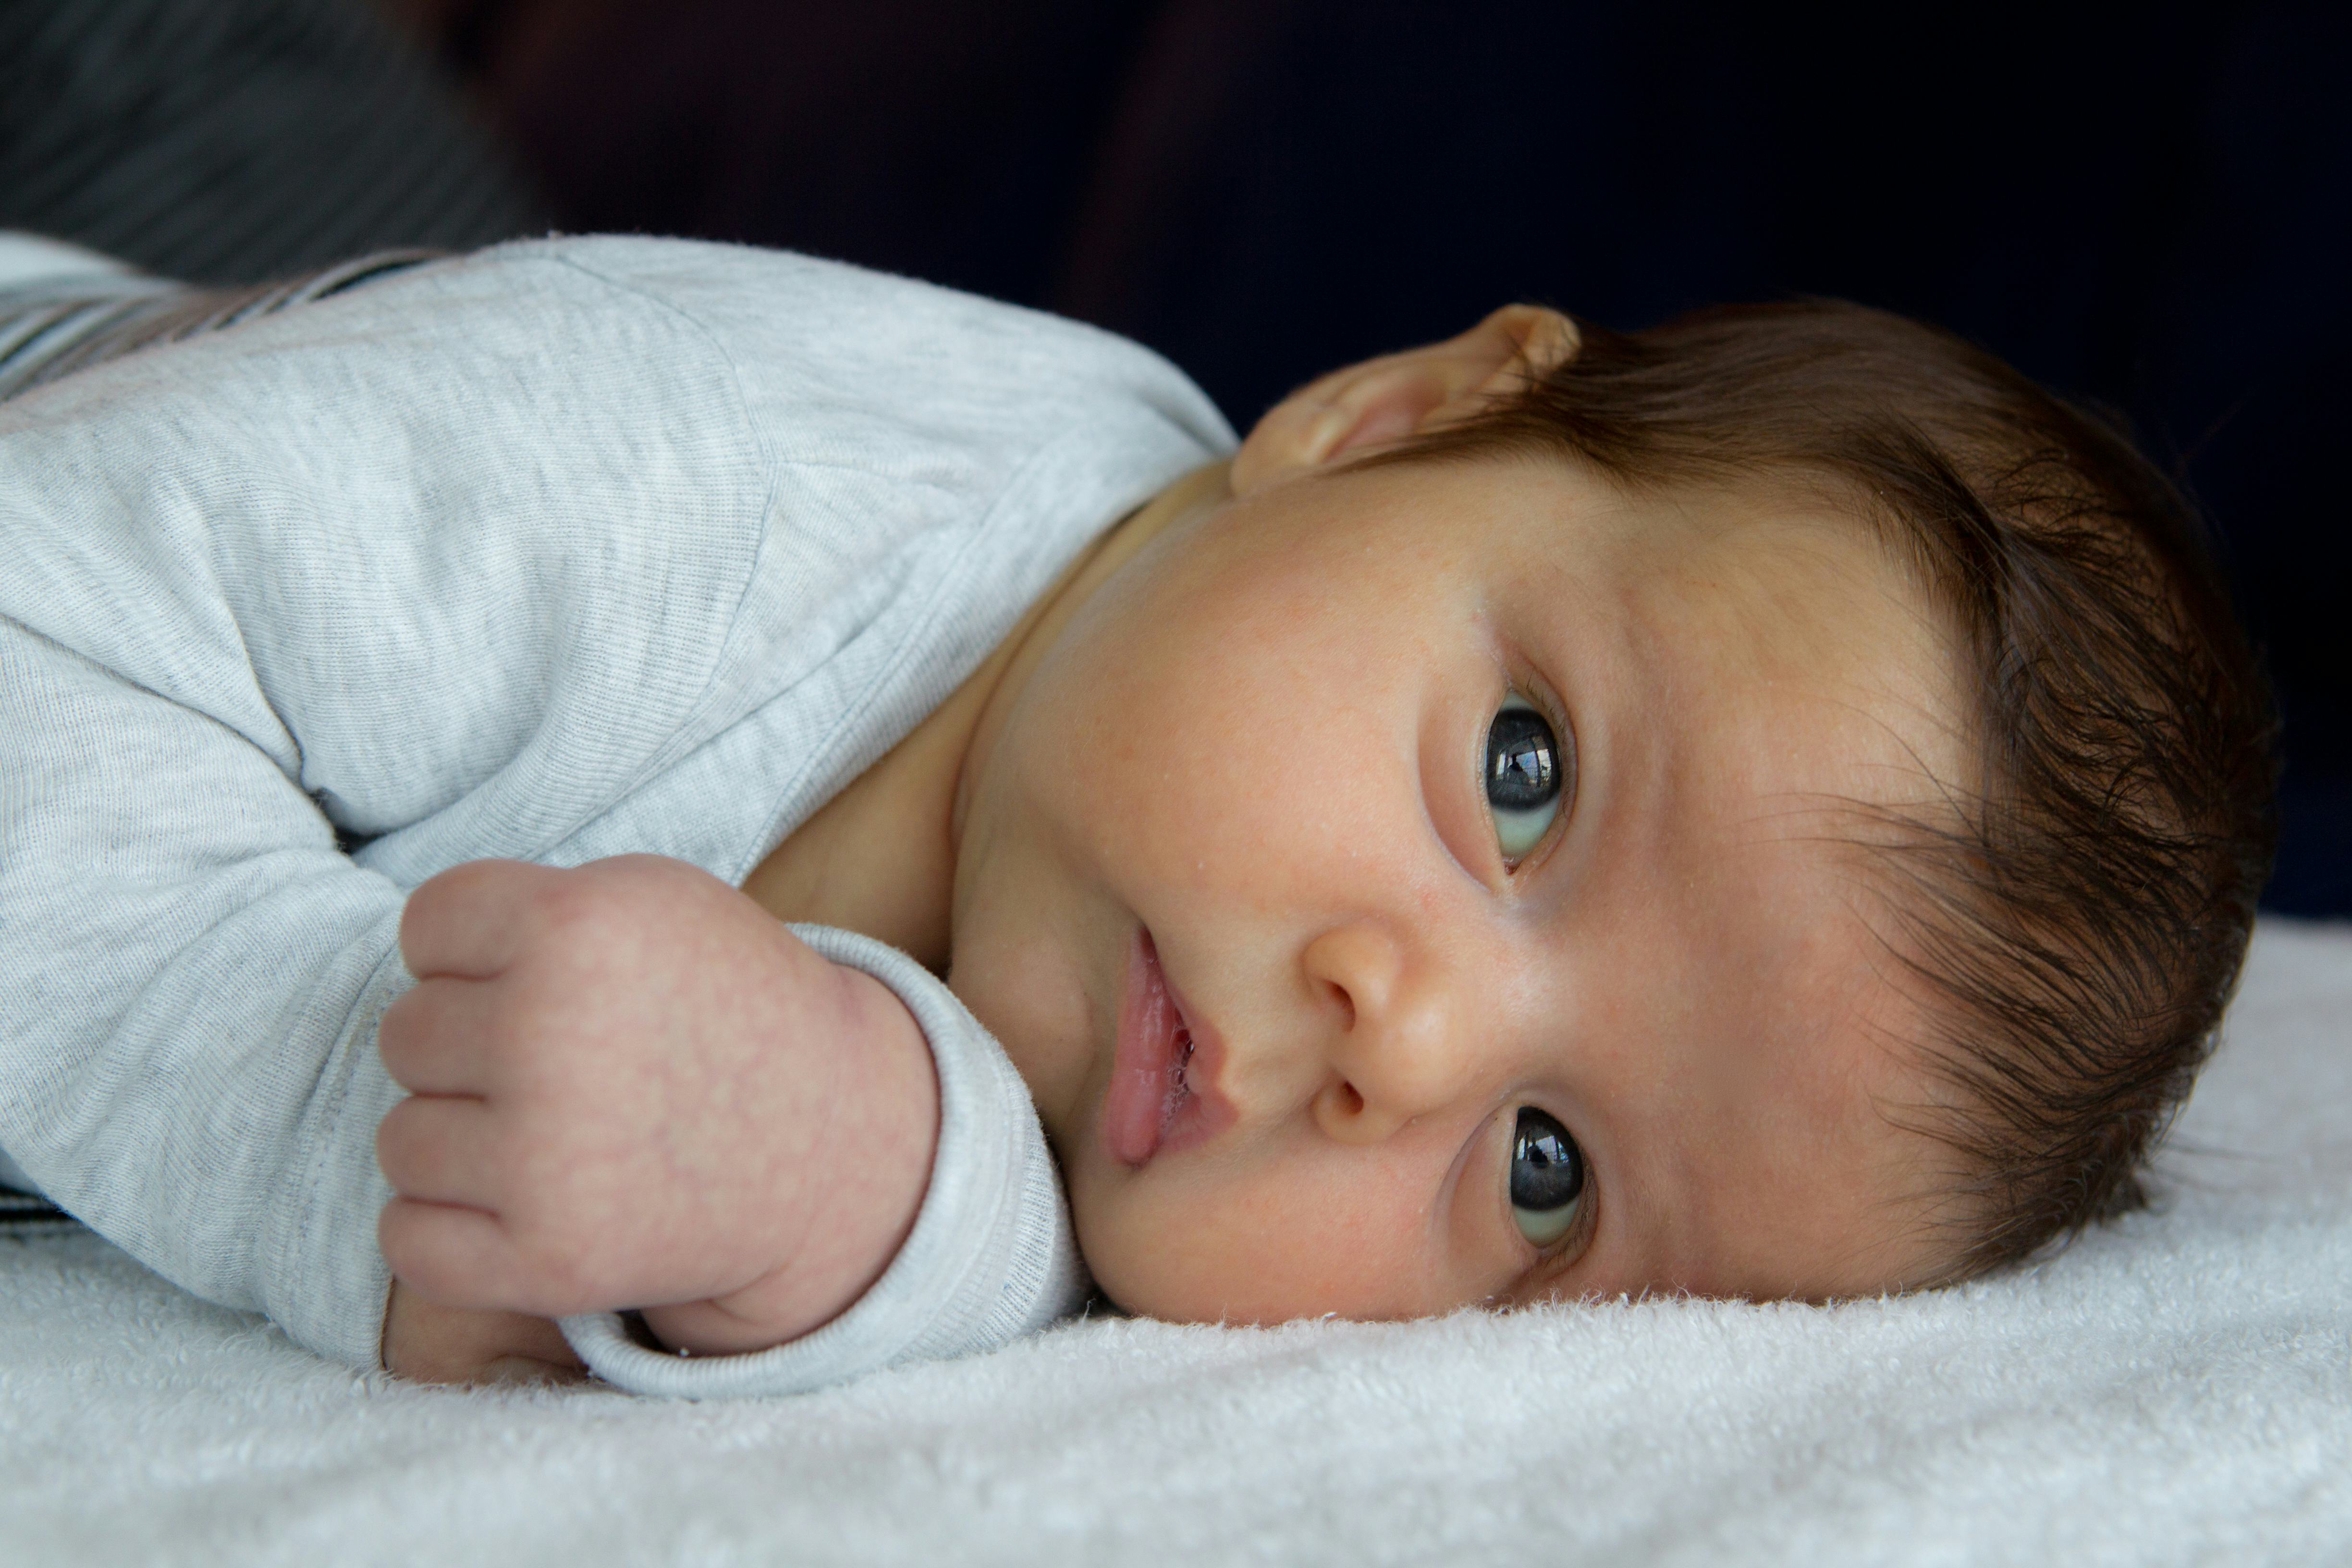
(1547, 1167)
(1522, 762)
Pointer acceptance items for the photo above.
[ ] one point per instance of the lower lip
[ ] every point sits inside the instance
(1161, 1097)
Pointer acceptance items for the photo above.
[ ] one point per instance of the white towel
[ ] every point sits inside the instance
(2176, 1389)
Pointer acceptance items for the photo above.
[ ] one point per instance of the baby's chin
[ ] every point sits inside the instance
(1172, 1278)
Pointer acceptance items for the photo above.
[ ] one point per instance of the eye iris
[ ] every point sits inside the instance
(1522, 762)
(1547, 1168)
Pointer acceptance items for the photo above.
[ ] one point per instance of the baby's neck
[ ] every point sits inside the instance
(880, 858)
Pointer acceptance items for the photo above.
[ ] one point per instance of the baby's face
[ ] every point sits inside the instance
(1417, 885)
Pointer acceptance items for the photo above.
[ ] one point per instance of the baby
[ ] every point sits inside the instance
(1771, 807)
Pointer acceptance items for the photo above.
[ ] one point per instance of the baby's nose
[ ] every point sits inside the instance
(1397, 1047)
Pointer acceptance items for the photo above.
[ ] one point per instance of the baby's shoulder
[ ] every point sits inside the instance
(808, 337)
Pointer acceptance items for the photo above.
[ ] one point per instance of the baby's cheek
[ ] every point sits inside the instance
(1256, 1251)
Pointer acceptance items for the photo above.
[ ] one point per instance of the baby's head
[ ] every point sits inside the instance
(1768, 806)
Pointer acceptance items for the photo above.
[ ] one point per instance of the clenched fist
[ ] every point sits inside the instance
(632, 1087)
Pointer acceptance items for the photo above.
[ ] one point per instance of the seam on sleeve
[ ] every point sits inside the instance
(916, 644)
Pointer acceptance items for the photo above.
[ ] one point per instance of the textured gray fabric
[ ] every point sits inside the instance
(29, 259)
(569, 548)
(53, 326)
(65, 308)
(224, 140)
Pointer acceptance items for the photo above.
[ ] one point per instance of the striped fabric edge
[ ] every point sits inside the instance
(52, 328)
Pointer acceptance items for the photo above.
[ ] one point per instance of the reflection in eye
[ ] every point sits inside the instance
(1547, 1178)
(1525, 777)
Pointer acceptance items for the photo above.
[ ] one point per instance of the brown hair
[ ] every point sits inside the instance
(2080, 911)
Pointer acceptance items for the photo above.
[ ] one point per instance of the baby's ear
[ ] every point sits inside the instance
(1397, 395)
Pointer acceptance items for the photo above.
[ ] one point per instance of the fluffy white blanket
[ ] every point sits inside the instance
(2178, 1389)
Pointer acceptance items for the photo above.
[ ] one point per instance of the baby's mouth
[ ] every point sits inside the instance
(1162, 1093)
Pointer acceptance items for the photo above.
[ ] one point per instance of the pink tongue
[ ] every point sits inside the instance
(1144, 1082)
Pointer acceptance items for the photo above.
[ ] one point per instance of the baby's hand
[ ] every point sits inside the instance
(457, 1344)
(635, 1087)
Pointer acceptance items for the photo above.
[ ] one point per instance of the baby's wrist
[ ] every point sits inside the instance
(706, 1328)
(860, 1186)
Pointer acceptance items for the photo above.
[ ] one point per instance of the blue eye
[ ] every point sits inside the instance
(1547, 1178)
(1525, 777)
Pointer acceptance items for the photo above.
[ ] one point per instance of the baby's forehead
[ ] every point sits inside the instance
(1773, 1093)
(1781, 689)
(1777, 661)
(1785, 578)
(1776, 576)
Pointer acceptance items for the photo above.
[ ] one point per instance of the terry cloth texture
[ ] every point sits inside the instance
(2176, 1390)
(565, 550)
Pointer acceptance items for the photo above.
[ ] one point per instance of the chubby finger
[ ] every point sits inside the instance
(454, 1257)
(458, 1344)
(432, 1038)
(440, 1149)
(470, 920)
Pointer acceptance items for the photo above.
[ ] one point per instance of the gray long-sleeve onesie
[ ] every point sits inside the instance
(568, 549)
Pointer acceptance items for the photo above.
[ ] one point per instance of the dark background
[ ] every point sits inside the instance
(2150, 208)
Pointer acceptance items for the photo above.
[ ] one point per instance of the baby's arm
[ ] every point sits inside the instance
(634, 1088)
(378, 565)
(293, 617)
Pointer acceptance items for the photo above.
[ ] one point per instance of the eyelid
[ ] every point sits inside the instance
(1564, 1252)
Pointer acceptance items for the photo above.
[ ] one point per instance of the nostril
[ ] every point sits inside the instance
(1347, 1004)
(1351, 1099)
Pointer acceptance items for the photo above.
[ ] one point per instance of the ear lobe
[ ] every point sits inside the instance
(1399, 395)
